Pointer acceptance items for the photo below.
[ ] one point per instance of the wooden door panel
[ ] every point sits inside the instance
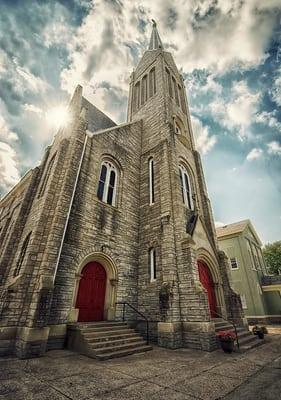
(206, 279)
(91, 293)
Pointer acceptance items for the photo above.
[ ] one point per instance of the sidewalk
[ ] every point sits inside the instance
(159, 374)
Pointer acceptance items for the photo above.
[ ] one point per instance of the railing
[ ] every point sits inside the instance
(124, 303)
(271, 280)
(234, 326)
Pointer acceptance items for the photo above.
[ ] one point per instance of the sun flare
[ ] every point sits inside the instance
(58, 116)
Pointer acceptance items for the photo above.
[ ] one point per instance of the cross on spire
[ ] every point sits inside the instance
(155, 41)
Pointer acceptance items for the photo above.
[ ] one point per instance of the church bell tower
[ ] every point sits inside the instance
(177, 232)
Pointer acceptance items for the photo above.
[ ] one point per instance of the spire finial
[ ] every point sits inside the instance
(155, 41)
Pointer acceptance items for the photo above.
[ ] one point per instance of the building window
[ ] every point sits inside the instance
(152, 82)
(144, 89)
(186, 187)
(47, 176)
(22, 255)
(137, 96)
(176, 91)
(257, 258)
(107, 183)
(259, 289)
(233, 263)
(169, 82)
(151, 180)
(152, 264)
(181, 98)
(243, 301)
(178, 130)
(250, 254)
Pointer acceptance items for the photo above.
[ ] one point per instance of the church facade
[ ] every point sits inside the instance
(116, 213)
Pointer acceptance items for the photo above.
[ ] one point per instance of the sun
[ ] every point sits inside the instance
(58, 116)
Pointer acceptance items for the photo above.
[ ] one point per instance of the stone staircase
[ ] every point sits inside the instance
(246, 339)
(105, 340)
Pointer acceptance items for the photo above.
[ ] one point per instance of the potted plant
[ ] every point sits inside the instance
(259, 331)
(226, 339)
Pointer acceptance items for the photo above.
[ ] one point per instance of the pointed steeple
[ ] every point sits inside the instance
(155, 41)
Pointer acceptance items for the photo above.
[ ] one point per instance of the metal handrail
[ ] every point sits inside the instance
(237, 341)
(124, 303)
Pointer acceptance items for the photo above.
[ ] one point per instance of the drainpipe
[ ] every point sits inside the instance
(70, 206)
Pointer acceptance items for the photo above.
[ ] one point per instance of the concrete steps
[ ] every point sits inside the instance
(105, 340)
(246, 339)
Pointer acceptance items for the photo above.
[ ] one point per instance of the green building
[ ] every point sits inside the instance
(260, 293)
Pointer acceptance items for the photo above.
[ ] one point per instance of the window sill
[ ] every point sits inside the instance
(111, 207)
(14, 282)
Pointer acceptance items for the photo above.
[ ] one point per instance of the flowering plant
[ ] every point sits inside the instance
(262, 329)
(226, 335)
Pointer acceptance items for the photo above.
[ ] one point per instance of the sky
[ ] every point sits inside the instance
(228, 51)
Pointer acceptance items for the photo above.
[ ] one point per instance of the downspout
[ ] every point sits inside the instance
(70, 206)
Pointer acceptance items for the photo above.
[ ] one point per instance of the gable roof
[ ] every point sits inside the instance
(230, 229)
(97, 120)
(236, 228)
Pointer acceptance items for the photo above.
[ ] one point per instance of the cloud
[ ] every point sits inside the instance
(254, 154)
(276, 90)
(32, 108)
(5, 132)
(219, 224)
(9, 173)
(30, 81)
(274, 148)
(237, 112)
(225, 34)
(269, 119)
(204, 141)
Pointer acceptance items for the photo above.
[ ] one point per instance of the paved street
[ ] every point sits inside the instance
(159, 374)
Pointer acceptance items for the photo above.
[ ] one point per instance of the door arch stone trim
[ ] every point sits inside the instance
(111, 284)
(204, 256)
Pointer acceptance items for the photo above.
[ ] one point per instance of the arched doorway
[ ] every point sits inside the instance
(91, 293)
(206, 279)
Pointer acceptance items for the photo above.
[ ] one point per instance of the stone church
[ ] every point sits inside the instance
(114, 222)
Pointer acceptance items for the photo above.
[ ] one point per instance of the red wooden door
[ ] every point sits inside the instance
(91, 293)
(208, 283)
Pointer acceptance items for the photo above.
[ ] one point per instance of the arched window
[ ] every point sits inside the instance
(137, 96)
(47, 175)
(151, 180)
(176, 95)
(108, 183)
(178, 129)
(181, 98)
(144, 89)
(186, 187)
(152, 82)
(169, 82)
(22, 255)
(152, 264)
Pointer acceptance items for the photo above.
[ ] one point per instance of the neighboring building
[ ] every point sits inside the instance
(115, 213)
(260, 293)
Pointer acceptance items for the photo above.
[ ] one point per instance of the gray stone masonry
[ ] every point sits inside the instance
(57, 205)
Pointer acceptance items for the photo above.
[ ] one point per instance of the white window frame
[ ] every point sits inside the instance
(243, 301)
(187, 195)
(152, 264)
(109, 167)
(251, 255)
(151, 181)
(236, 262)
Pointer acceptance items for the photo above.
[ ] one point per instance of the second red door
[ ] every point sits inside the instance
(91, 293)
(208, 283)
